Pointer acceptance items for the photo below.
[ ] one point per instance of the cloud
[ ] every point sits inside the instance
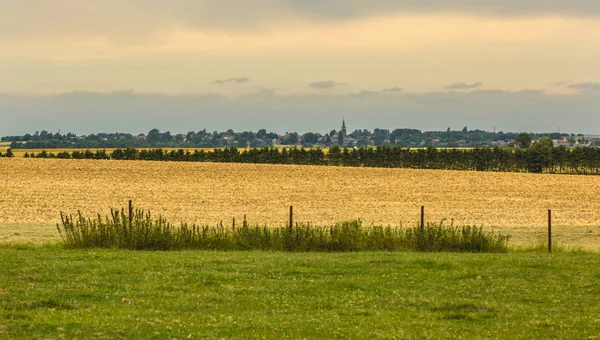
(392, 90)
(242, 80)
(93, 112)
(531, 92)
(589, 86)
(140, 19)
(463, 86)
(364, 94)
(325, 85)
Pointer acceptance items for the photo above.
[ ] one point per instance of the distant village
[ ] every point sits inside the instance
(404, 137)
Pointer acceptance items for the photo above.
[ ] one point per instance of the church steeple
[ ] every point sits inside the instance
(343, 131)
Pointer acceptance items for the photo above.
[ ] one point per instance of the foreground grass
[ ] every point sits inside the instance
(50, 292)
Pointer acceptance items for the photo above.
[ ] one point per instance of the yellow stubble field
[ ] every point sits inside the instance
(34, 191)
(20, 153)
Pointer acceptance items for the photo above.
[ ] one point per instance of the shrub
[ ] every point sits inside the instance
(141, 232)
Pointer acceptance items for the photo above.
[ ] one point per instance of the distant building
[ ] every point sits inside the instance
(562, 142)
(344, 134)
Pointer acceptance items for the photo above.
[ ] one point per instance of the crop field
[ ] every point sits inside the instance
(19, 153)
(34, 191)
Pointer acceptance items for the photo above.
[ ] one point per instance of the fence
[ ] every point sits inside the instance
(422, 221)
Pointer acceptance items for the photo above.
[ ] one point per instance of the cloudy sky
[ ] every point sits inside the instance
(299, 65)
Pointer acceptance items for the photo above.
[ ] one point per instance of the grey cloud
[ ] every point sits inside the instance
(353, 8)
(92, 112)
(531, 92)
(126, 20)
(392, 90)
(232, 80)
(463, 86)
(364, 94)
(325, 85)
(589, 86)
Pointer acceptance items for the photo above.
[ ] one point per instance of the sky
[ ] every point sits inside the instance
(88, 66)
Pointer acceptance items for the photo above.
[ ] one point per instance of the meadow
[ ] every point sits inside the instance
(34, 191)
(49, 292)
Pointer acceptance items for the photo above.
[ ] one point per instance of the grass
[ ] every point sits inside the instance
(50, 292)
(137, 230)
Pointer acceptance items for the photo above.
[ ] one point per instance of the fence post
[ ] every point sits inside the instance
(245, 222)
(549, 230)
(291, 217)
(422, 217)
(130, 212)
(233, 224)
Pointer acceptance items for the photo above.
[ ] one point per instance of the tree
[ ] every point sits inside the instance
(242, 142)
(166, 137)
(524, 140)
(9, 154)
(153, 136)
(290, 139)
(539, 156)
(341, 139)
(546, 142)
(310, 138)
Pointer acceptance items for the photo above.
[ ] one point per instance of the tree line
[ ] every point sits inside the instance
(403, 137)
(8, 154)
(539, 158)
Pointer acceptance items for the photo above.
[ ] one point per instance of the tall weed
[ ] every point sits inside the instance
(143, 232)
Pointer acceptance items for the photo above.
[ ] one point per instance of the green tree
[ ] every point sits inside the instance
(341, 139)
(242, 142)
(539, 156)
(310, 138)
(9, 154)
(290, 139)
(524, 140)
(546, 142)
(153, 136)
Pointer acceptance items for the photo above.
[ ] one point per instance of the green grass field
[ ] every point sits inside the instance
(50, 292)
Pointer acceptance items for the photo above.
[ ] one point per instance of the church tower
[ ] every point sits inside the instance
(343, 131)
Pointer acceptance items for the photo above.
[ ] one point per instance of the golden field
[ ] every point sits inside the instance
(34, 191)
(19, 153)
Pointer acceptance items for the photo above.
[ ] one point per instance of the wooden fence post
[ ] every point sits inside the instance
(291, 217)
(130, 212)
(422, 217)
(233, 224)
(549, 230)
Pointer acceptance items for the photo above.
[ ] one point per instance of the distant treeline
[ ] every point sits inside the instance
(540, 158)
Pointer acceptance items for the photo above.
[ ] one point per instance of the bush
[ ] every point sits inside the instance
(142, 232)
